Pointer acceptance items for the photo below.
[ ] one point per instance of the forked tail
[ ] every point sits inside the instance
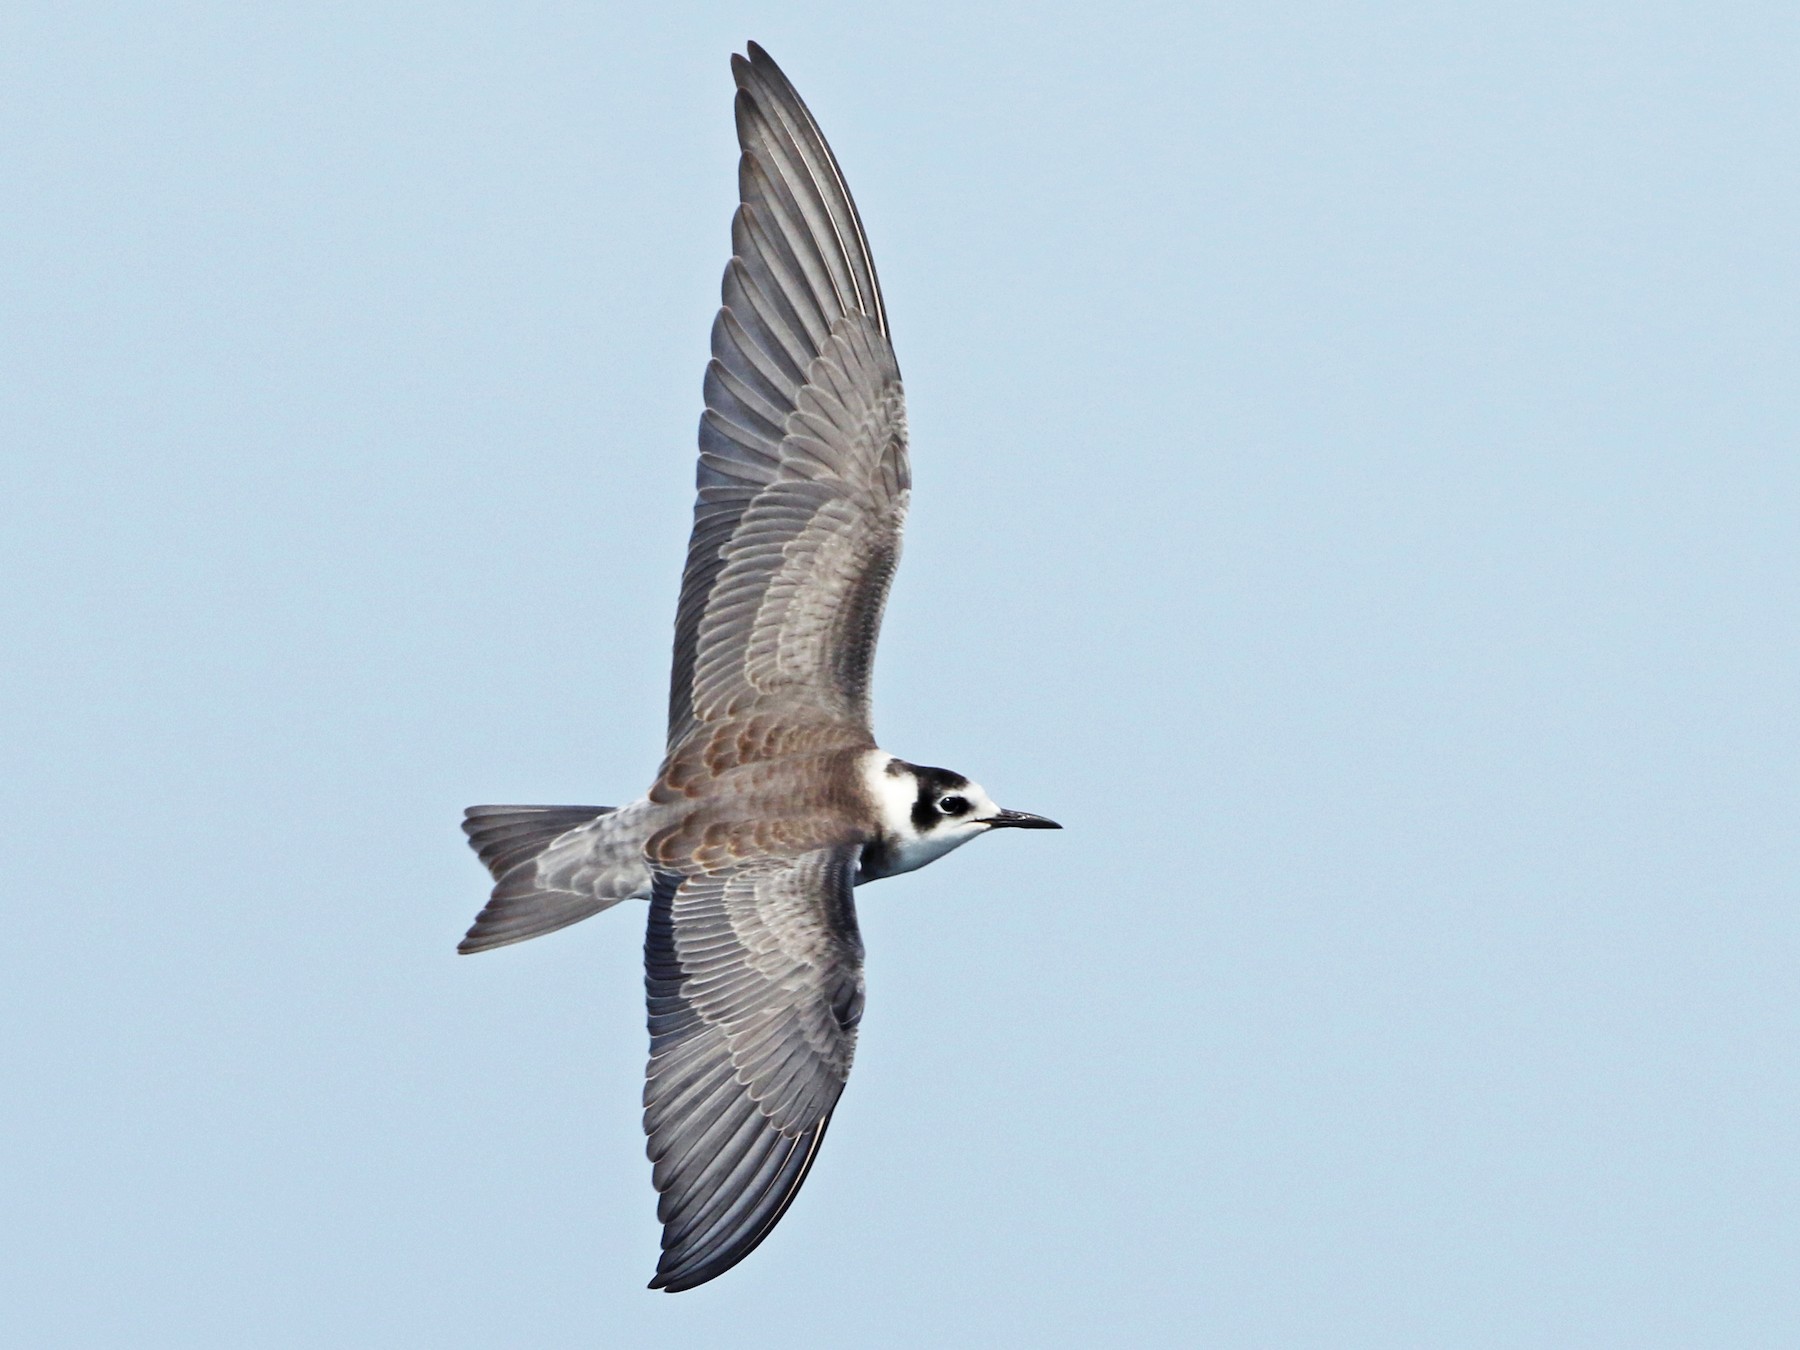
(553, 866)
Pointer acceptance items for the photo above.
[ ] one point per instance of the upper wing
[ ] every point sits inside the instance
(755, 989)
(803, 474)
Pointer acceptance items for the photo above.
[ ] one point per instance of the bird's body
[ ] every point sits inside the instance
(773, 800)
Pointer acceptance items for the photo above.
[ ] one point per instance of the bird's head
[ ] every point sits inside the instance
(925, 812)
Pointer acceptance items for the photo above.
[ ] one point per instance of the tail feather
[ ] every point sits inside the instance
(553, 865)
(505, 836)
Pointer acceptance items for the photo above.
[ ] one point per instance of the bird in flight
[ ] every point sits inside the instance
(773, 801)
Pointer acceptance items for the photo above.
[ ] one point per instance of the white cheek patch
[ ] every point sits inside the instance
(893, 793)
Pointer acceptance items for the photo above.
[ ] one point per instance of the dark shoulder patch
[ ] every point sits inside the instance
(874, 861)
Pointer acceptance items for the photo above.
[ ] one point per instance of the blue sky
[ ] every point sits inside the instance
(1355, 494)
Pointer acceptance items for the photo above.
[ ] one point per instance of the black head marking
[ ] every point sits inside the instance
(933, 784)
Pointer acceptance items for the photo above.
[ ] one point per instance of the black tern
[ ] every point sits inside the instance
(773, 800)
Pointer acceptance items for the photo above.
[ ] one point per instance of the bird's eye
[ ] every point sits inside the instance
(953, 805)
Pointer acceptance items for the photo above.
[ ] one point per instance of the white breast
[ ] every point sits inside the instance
(909, 853)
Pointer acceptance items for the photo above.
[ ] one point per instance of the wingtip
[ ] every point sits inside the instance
(674, 1280)
(477, 941)
(679, 1282)
(756, 62)
(754, 57)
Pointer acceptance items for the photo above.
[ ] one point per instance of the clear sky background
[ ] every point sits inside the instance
(1356, 493)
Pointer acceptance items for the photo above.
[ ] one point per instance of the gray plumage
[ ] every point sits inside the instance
(803, 476)
(802, 491)
(755, 984)
(554, 866)
(773, 801)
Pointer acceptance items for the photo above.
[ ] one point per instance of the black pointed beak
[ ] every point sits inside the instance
(1020, 820)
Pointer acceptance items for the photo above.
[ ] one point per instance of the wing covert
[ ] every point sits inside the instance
(803, 474)
(754, 978)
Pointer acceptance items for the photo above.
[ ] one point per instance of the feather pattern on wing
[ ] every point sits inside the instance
(803, 475)
(755, 989)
